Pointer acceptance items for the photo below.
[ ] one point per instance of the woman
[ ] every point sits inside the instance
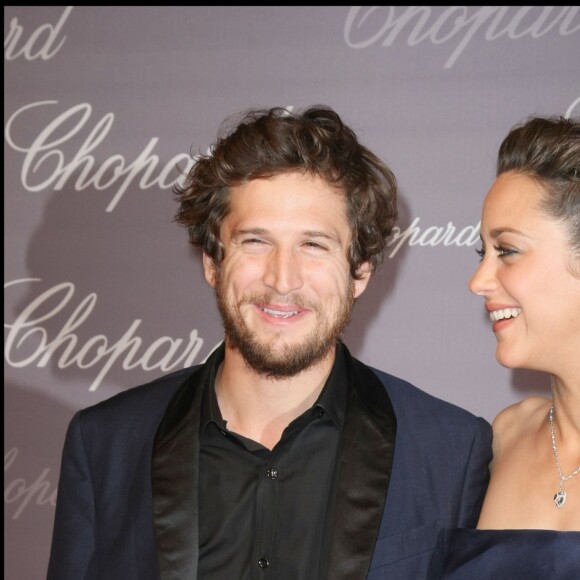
(529, 278)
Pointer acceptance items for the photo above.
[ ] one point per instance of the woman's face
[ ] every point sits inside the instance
(530, 292)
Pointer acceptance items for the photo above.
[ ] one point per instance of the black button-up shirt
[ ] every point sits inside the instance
(266, 514)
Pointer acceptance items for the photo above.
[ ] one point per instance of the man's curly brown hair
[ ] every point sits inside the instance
(269, 142)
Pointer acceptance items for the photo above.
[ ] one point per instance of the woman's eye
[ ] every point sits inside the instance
(503, 252)
(480, 252)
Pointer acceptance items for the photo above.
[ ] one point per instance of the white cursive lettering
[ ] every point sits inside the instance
(570, 111)
(374, 24)
(433, 236)
(29, 48)
(43, 154)
(26, 334)
(18, 490)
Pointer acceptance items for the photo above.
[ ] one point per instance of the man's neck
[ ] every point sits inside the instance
(261, 407)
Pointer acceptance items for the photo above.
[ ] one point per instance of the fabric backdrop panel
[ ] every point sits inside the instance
(102, 103)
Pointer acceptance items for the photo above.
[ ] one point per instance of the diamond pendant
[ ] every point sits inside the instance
(560, 498)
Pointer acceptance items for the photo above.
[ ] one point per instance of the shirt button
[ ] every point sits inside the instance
(263, 563)
(272, 473)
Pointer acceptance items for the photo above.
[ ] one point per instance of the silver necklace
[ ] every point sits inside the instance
(561, 495)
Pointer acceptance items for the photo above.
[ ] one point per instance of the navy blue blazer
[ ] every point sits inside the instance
(410, 465)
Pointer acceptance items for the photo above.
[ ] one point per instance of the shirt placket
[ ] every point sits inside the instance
(267, 510)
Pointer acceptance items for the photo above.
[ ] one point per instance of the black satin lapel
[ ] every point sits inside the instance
(366, 459)
(174, 479)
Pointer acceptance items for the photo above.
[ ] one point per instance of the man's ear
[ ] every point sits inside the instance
(364, 273)
(209, 269)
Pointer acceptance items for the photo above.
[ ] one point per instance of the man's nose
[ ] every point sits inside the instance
(283, 271)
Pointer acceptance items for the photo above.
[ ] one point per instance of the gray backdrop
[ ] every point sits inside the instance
(102, 291)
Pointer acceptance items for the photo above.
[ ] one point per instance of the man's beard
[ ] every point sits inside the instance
(262, 355)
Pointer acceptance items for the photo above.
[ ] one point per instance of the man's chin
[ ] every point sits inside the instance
(287, 362)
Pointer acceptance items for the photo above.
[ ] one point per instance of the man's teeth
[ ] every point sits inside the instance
(280, 313)
(496, 315)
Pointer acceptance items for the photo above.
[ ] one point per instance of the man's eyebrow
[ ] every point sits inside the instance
(319, 234)
(255, 231)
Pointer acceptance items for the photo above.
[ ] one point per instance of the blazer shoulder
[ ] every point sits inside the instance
(420, 406)
(137, 403)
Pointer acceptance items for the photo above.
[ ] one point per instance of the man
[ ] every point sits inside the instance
(282, 457)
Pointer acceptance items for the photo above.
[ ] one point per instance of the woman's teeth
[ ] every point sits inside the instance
(496, 315)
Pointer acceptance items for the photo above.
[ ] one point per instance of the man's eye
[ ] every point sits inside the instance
(315, 246)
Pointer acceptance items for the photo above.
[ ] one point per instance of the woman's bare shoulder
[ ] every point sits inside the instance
(520, 417)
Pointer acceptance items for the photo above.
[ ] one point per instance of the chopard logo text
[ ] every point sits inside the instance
(46, 165)
(20, 492)
(43, 42)
(29, 342)
(366, 26)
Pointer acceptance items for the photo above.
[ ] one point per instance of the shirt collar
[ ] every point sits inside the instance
(210, 411)
(332, 398)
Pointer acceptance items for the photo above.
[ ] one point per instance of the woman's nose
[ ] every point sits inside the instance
(483, 279)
